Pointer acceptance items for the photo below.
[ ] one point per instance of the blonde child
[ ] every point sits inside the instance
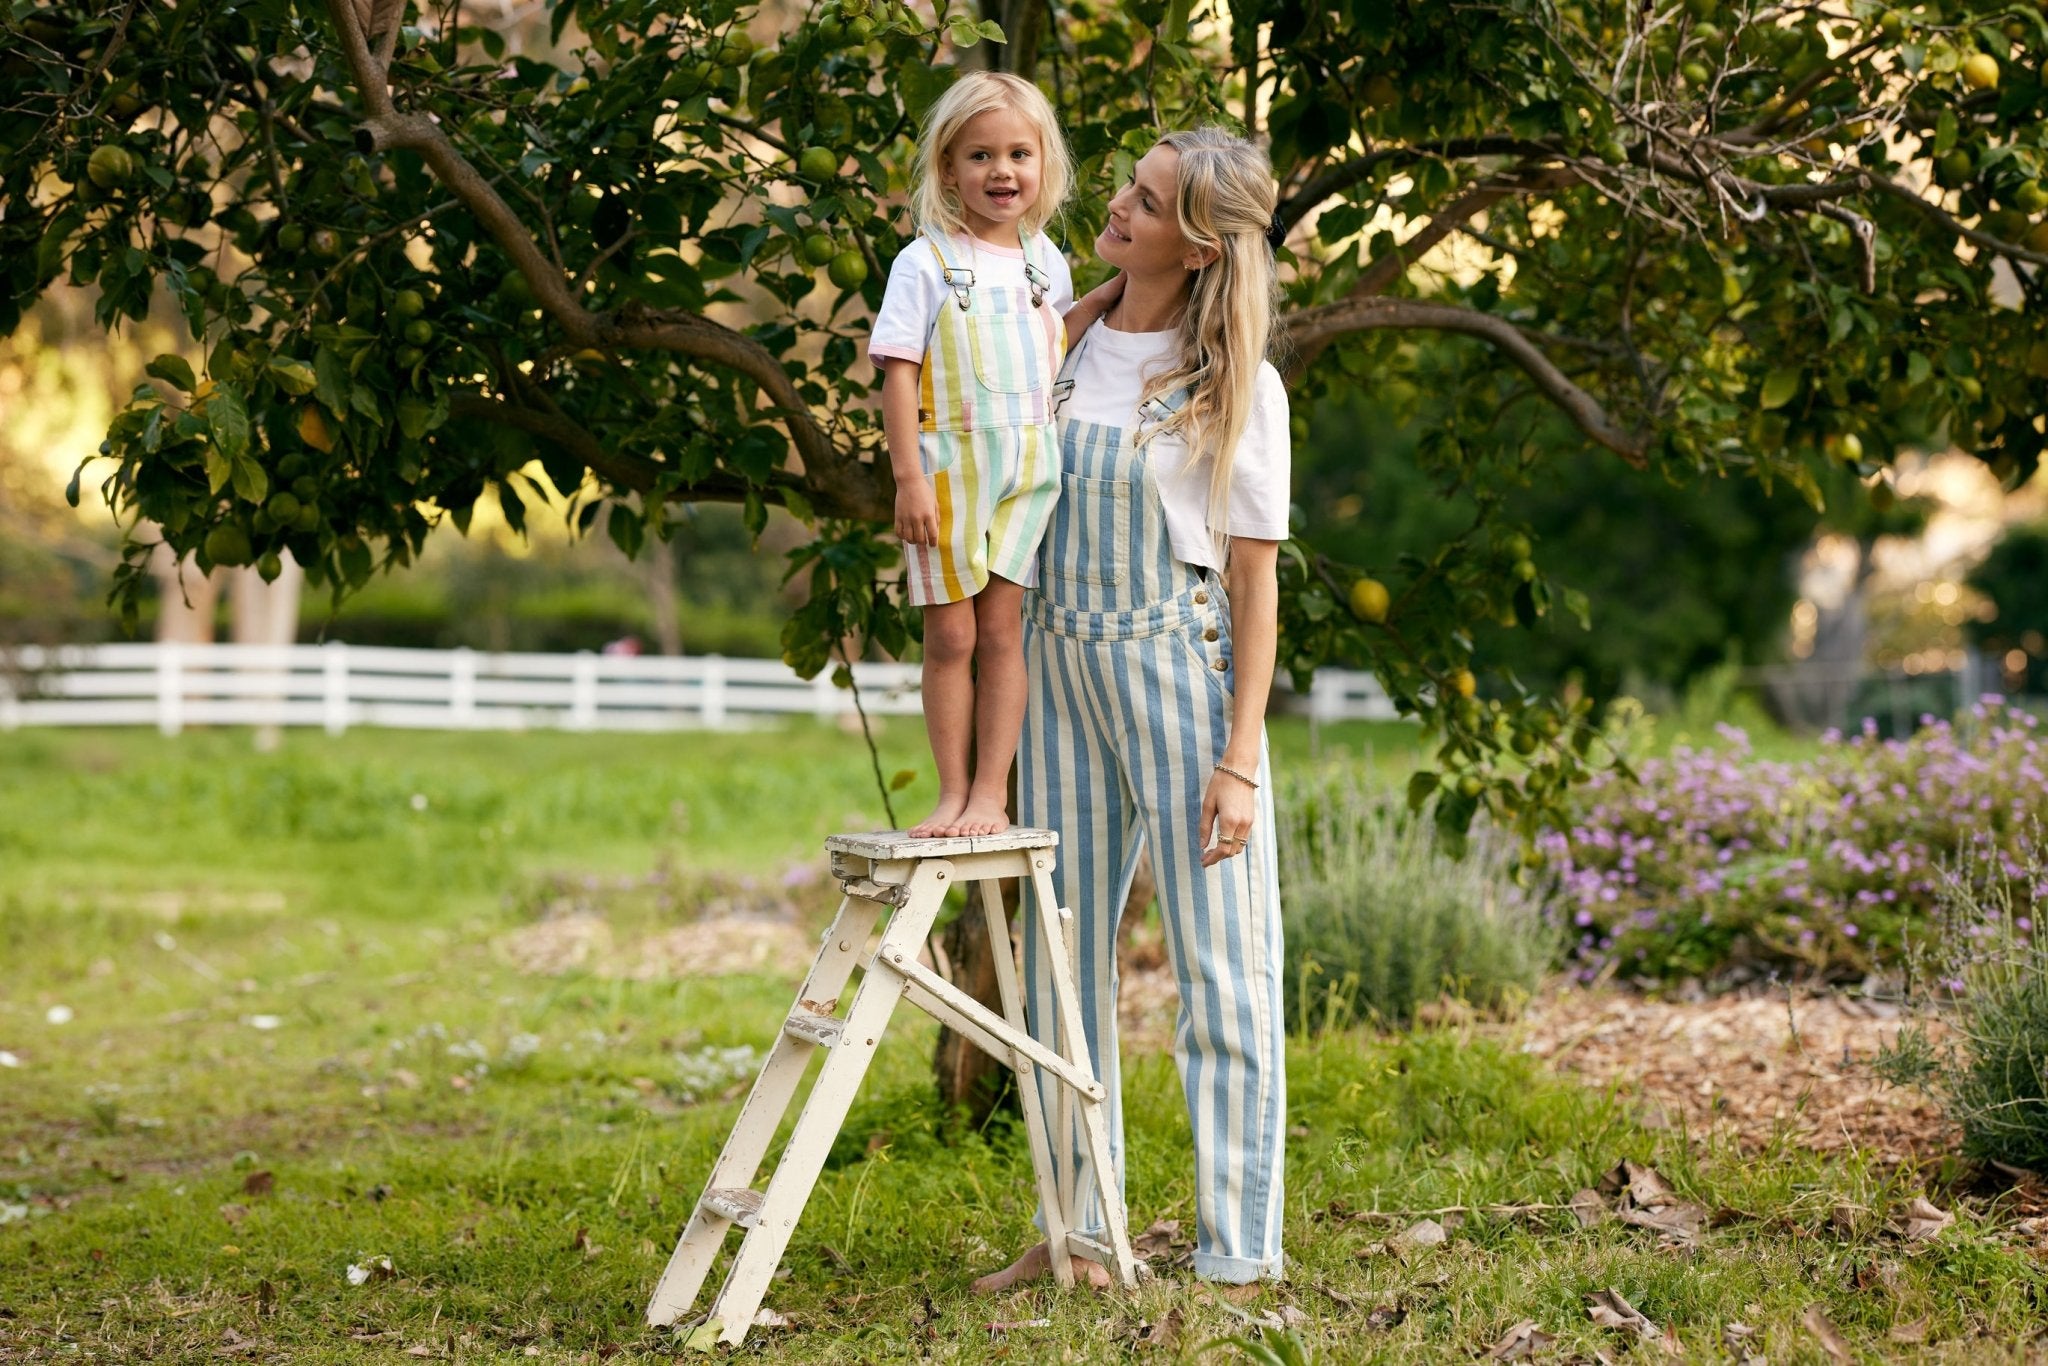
(969, 339)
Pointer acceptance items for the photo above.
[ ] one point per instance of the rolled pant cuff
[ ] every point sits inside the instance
(1237, 1270)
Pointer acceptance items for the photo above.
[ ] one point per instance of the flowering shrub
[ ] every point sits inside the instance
(1717, 861)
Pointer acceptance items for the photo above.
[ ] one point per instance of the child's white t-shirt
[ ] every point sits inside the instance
(1109, 375)
(917, 288)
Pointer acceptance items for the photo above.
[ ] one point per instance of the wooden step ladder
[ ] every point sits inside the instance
(889, 872)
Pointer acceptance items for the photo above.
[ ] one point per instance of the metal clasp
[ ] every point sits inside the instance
(1039, 281)
(961, 282)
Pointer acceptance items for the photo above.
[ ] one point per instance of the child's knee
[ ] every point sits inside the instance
(999, 636)
(949, 636)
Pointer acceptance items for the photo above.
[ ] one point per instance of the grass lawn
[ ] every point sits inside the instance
(296, 1042)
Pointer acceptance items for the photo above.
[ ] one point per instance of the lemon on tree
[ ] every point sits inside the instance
(109, 166)
(1370, 600)
(229, 544)
(1980, 71)
(1463, 683)
(819, 249)
(817, 163)
(848, 269)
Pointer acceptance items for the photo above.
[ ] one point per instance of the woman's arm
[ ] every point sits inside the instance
(1230, 806)
(917, 507)
(1091, 306)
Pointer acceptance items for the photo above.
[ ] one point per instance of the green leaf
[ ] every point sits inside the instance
(251, 483)
(229, 422)
(330, 384)
(903, 778)
(754, 515)
(1779, 387)
(1420, 785)
(627, 530)
(172, 369)
(71, 487)
(219, 469)
(295, 377)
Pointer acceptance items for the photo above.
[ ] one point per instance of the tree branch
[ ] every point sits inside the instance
(840, 478)
(1314, 327)
(1336, 179)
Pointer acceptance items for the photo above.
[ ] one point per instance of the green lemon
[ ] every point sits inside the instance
(228, 544)
(270, 566)
(817, 163)
(408, 303)
(818, 249)
(419, 332)
(282, 507)
(1370, 600)
(408, 356)
(849, 268)
(110, 166)
(325, 242)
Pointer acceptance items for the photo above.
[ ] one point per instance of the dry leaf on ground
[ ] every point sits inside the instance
(1922, 1221)
(1521, 1342)
(1830, 1337)
(1417, 1238)
(1608, 1309)
(1916, 1331)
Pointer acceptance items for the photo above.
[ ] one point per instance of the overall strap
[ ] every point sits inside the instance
(1039, 278)
(960, 281)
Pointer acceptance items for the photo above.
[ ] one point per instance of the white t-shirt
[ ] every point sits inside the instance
(1109, 374)
(917, 288)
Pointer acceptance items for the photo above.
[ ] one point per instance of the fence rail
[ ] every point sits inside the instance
(336, 686)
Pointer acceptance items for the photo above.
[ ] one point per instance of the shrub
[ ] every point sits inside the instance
(1716, 862)
(1979, 988)
(1380, 921)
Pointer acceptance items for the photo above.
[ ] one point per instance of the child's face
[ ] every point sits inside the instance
(993, 164)
(1143, 236)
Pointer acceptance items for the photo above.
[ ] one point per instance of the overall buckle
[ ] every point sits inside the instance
(1039, 281)
(961, 282)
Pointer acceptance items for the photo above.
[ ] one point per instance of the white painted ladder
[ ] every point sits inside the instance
(910, 878)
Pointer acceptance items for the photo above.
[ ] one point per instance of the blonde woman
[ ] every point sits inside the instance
(1149, 649)
(969, 341)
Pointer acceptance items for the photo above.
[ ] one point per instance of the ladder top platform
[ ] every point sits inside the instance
(897, 844)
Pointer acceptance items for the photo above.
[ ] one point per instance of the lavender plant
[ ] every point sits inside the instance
(1718, 863)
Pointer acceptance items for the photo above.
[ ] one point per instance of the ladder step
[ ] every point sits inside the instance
(742, 1206)
(811, 1027)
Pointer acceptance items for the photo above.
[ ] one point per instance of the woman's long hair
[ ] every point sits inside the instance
(1226, 201)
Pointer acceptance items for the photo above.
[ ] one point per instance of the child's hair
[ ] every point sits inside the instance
(936, 208)
(1226, 200)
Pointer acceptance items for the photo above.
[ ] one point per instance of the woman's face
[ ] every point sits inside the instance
(1143, 236)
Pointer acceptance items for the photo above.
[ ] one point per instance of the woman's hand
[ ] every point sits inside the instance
(1229, 809)
(917, 512)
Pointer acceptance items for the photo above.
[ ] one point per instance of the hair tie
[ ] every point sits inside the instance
(1276, 231)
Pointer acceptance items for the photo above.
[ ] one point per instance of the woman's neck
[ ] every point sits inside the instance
(1151, 303)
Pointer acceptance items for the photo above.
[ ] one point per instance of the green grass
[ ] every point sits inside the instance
(524, 1147)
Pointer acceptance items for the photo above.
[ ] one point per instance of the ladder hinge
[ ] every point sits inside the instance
(811, 1027)
(742, 1206)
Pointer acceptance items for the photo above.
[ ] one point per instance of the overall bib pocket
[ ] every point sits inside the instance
(1007, 350)
(1099, 513)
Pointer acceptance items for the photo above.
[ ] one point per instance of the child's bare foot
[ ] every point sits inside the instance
(944, 820)
(982, 816)
(1035, 1264)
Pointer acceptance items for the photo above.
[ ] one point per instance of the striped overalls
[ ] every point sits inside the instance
(985, 431)
(1127, 652)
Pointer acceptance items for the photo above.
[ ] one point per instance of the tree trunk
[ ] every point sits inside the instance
(660, 569)
(262, 613)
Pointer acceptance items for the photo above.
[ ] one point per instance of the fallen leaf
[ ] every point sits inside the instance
(1015, 1324)
(1164, 1332)
(371, 1269)
(1385, 1316)
(764, 1317)
(1923, 1221)
(1417, 1238)
(258, 1183)
(1588, 1208)
(1157, 1239)
(234, 1214)
(1608, 1309)
(1522, 1341)
(1830, 1337)
(1916, 1331)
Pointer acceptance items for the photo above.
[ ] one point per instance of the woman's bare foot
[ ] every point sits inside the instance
(982, 816)
(1035, 1264)
(944, 820)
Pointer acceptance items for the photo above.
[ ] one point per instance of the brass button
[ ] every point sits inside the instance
(1202, 598)
(1209, 634)
(1221, 665)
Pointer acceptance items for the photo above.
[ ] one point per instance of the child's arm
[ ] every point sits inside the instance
(1091, 306)
(917, 507)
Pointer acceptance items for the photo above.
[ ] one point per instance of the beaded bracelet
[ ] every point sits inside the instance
(1244, 778)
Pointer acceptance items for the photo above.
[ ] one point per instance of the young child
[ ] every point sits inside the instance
(970, 339)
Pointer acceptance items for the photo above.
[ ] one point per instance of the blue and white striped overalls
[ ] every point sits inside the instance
(1128, 657)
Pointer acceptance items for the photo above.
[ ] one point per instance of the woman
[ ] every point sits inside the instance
(1149, 649)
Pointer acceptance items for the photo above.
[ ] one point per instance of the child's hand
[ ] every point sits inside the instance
(917, 512)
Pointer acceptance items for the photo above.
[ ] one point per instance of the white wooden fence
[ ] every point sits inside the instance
(336, 686)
